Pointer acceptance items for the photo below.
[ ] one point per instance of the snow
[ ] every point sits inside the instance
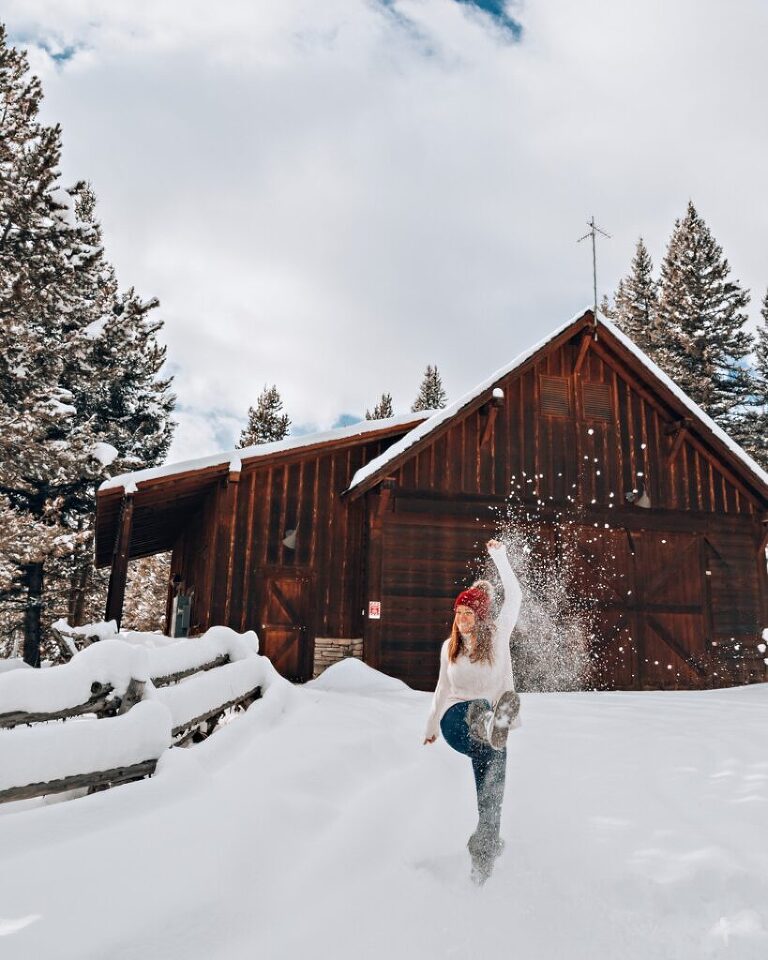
(12, 663)
(204, 692)
(352, 674)
(317, 825)
(425, 428)
(102, 630)
(105, 453)
(61, 687)
(116, 660)
(166, 655)
(129, 481)
(45, 752)
(58, 409)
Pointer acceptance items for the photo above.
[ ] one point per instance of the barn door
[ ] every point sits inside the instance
(286, 626)
(647, 607)
(673, 608)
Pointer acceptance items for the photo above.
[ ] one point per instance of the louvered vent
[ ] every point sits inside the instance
(597, 399)
(555, 396)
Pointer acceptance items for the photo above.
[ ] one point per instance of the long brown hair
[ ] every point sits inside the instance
(484, 631)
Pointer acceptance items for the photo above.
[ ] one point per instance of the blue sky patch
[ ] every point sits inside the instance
(59, 55)
(346, 420)
(495, 9)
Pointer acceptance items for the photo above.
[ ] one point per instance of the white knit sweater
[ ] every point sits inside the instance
(465, 680)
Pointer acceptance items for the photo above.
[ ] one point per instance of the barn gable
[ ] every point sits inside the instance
(585, 372)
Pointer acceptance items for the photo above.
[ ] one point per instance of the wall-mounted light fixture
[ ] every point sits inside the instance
(289, 540)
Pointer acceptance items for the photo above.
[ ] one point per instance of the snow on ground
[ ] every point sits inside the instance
(317, 825)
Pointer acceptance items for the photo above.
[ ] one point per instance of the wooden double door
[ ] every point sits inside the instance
(647, 596)
(287, 623)
(672, 609)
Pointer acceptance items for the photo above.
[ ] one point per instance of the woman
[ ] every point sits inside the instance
(475, 705)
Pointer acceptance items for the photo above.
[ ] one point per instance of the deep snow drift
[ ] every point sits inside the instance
(317, 825)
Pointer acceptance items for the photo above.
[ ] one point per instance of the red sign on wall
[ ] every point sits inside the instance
(374, 609)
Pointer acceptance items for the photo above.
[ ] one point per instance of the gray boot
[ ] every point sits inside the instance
(478, 717)
(504, 715)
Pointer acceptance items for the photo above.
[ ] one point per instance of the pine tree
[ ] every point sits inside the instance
(431, 395)
(382, 410)
(146, 592)
(605, 306)
(754, 436)
(703, 344)
(266, 421)
(56, 289)
(636, 299)
(43, 445)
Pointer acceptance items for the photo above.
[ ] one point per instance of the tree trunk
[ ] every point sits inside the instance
(78, 591)
(33, 578)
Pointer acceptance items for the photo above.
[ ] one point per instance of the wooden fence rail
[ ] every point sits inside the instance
(192, 699)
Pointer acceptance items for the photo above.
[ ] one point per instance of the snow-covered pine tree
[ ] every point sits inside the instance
(606, 308)
(382, 410)
(431, 395)
(146, 592)
(754, 436)
(43, 447)
(701, 319)
(120, 390)
(266, 421)
(635, 308)
(55, 288)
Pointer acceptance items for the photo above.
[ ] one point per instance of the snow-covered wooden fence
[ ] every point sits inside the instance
(108, 715)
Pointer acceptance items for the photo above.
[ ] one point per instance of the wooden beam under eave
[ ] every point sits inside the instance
(387, 487)
(680, 437)
(119, 573)
(491, 419)
(586, 340)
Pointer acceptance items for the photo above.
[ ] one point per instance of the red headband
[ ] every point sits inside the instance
(477, 600)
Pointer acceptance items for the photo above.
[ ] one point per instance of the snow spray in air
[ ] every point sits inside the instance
(551, 643)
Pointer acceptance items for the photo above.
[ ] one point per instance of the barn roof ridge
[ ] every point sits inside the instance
(374, 470)
(128, 481)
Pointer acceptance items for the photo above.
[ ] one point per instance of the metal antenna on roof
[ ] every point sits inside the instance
(593, 232)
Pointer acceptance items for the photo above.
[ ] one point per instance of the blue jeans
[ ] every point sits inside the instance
(488, 765)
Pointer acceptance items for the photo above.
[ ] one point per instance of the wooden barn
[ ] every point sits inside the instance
(356, 540)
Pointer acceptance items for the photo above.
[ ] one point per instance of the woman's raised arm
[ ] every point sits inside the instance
(507, 618)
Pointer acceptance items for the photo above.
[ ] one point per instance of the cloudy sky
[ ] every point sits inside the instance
(330, 194)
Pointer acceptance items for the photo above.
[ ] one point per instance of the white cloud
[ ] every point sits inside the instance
(325, 199)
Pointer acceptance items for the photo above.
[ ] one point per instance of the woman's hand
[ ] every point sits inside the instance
(493, 544)
(430, 739)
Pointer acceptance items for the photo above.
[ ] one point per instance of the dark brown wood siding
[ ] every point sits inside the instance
(581, 436)
(684, 600)
(574, 454)
(231, 547)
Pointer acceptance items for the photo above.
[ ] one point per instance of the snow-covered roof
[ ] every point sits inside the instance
(235, 458)
(424, 429)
